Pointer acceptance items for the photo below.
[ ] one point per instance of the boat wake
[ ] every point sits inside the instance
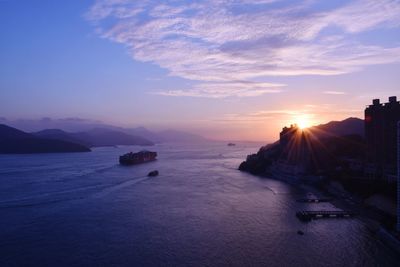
(75, 194)
(120, 186)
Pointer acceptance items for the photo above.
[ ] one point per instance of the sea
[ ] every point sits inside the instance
(84, 209)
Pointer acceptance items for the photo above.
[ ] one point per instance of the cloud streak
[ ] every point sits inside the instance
(218, 42)
(334, 93)
(225, 89)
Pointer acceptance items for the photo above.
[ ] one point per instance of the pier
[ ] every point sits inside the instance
(314, 200)
(307, 215)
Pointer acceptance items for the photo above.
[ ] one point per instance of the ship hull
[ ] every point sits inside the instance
(134, 162)
(137, 158)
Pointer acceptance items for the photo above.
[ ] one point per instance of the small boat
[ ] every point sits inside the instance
(299, 232)
(137, 158)
(153, 173)
(231, 144)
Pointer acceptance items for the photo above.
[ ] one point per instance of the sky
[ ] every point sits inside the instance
(226, 69)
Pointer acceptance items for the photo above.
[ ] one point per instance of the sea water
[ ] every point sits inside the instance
(84, 209)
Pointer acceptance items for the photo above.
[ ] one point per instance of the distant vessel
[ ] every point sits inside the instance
(137, 158)
(153, 173)
(231, 144)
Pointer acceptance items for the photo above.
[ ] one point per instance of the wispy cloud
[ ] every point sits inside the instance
(286, 116)
(217, 42)
(225, 89)
(334, 93)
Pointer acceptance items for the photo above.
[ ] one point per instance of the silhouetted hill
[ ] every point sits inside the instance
(349, 126)
(79, 125)
(319, 148)
(14, 141)
(96, 137)
(143, 132)
(179, 136)
(62, 135)
(165, 136)
(107, 137)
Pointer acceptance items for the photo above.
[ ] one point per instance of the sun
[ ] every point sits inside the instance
(303, 121)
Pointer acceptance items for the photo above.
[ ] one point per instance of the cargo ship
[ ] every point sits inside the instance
(137, 158)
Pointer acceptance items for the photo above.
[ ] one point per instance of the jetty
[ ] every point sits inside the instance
(308, 215)
(314, 200)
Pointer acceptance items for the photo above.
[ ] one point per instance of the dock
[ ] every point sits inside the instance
(313, 200)
(308, 215)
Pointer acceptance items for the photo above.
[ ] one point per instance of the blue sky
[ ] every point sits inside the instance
(229, 69)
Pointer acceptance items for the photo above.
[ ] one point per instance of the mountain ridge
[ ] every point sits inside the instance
(14, 141)
(318, 148)
(95, 137)
(348, 126)
(75, 125)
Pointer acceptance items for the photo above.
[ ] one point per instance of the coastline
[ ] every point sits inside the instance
(371, 217)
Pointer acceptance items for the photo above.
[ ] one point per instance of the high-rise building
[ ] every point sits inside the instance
(380, 131)
(398, 176)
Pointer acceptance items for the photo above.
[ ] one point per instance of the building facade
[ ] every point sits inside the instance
(398, 176)
(381, 133)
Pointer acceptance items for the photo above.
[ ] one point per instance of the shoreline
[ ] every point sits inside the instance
(370, 217)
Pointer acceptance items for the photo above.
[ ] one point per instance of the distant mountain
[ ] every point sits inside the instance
(14, 141)
(349, 126)
(96, 137)
(164, 136)
(179, 136)
(141, 131)
(107, 137)
(79, 125)
(62, 135)
(65, 124)
(110, 137)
